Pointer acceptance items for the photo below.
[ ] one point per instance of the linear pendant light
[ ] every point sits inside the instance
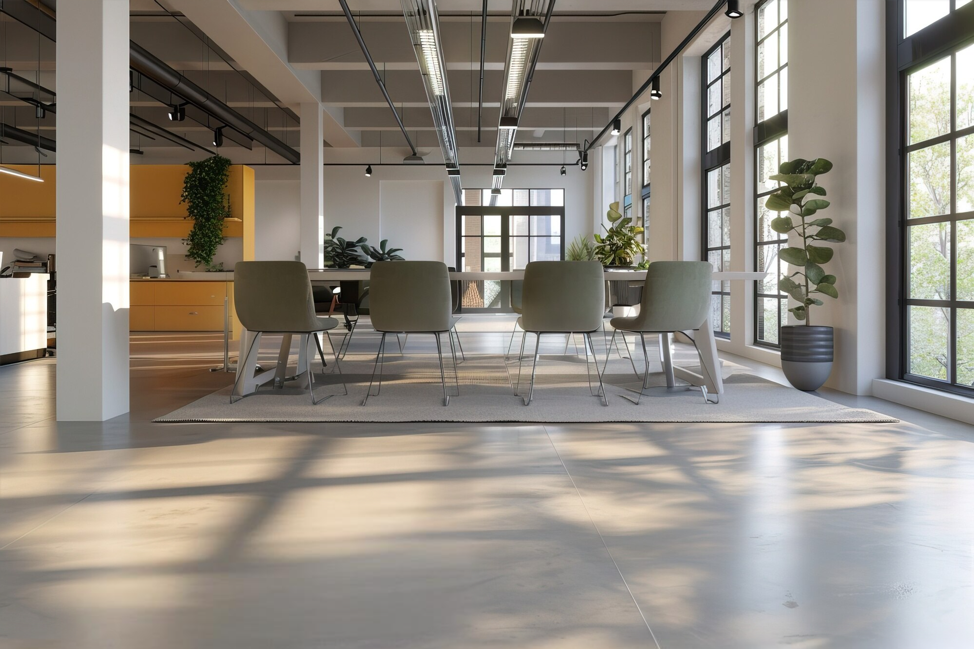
(423, 23)
(523, 50)
(18, 174)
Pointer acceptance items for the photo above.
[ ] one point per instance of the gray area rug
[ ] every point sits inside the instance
(411, 392)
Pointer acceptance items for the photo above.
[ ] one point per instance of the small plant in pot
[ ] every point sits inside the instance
(619, 246)
(580, 249)
(340, 253)
(806, 350)
(381, 253)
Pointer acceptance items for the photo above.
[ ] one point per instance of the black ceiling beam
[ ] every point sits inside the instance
(8, 132)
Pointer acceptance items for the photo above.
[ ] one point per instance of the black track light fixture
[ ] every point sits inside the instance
(616, 126)
(496, 191)
(177, 112)
(733, 9)
(368, 171)
(218, 136)
(655, 92)
(564, 172)
(583, 162)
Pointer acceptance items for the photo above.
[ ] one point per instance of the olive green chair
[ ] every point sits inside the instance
(411, 297)
(275, 297)
(676, 297)
(562, 297)
(517, 292)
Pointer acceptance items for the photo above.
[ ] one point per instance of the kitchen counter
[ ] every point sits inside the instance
(23, 317)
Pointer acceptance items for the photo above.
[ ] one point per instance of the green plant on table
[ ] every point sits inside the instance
(204, 192)
(620, 245)
(340, 253)
(381, 253)
(580, 249)
(799, 178)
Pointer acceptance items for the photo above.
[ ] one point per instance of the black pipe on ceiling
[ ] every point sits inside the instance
(375, 72)
(483, 58)
(658, 71)
(9, 132)
(146, 64)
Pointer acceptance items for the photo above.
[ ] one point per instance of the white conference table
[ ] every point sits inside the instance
(704, 339)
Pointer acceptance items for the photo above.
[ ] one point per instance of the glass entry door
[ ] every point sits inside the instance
(506, 236)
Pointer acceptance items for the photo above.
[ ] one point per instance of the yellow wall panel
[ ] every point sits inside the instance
(26, 199)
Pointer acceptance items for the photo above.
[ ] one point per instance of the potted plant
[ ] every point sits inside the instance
(340, 253)
(381, 253)
(580, 249)
(619, 246)
(806, 349)
(204, 192)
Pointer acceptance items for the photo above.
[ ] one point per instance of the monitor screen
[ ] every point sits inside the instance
(147, 261)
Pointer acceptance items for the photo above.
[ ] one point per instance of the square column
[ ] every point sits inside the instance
(93, 210)
(312, 186)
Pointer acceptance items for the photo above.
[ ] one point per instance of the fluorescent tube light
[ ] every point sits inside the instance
(18, 174)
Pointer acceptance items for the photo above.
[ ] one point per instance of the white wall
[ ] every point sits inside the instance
(277, 207)
(412, 211)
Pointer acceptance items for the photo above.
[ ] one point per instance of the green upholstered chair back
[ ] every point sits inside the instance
(563, 296)
(676, 296)
(274, 296)
(410, 296)
(517, 295)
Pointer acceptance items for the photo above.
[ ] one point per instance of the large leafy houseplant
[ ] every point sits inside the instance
(381, 253)
(204, 192)
(340, 253)
(798, 196)
(619, 246)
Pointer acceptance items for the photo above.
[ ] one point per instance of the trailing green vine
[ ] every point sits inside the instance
(204, 192)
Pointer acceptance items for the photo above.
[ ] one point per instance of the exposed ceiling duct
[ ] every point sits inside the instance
(423, 24)
(375, 74)
(155, 69)
(547, 146)
(146, 64)
(523, 50)
(8, 132)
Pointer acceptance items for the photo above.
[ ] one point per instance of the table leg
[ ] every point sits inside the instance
(707, 346)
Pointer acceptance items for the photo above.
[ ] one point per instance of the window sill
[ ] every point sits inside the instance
(929, 400)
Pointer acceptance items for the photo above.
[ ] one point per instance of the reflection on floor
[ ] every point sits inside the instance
(132, 534)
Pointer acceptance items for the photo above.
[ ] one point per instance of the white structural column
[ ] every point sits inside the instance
(847, 126)
(312, 186)
(93, 210)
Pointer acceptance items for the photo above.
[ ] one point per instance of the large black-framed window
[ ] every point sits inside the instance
(647, 167)
(627, 182)
(930, 198)
(523, 225)
(770, 150)
(715, 233)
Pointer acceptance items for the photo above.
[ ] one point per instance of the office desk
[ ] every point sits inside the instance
(23, 317)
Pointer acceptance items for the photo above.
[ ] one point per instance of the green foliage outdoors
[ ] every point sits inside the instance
(620, 245)
(929, 195)
(799, 184)
(340, 253)
(204, 192)
(381, 253)
(580, 249)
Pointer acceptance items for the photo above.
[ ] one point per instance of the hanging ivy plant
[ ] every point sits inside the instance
(204, 192)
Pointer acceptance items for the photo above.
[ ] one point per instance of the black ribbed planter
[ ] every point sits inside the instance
(806, 355)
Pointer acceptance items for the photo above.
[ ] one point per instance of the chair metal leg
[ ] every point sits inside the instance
(629, 354)
(380, 352)
(347, 339)
(520, 359)
(456, 373)
(605, 397)
(311, 374)
(703, 366)
(534, 368)
(507, 356)
(334, 353)
(439, 353)
(456, 333)
(645, 384)
(608, 350)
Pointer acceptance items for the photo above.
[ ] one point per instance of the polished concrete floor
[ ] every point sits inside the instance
(138, 535)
